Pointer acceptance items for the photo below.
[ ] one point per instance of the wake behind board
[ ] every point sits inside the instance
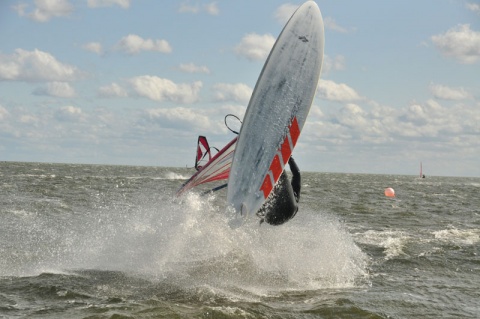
(277, 112)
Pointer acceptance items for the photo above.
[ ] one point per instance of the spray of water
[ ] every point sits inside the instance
(189, 243)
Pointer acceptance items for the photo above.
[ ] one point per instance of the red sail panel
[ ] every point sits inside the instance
(203, 149)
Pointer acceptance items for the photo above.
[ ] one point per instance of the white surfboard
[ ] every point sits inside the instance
(277, 112)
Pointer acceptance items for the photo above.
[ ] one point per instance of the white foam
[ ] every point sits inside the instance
(393, 242)
(174, 176)
(458, 236)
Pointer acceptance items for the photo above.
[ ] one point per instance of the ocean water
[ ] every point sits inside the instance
(92, 241)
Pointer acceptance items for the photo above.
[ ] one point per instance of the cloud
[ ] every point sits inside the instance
(336, 63)
(459, 42)
(432, 120)
(44, 10)
(69, 113)
(3, 113)
(370, 132)
(57, 89)
(29, 119)
(159, 89)
(112, 90)
(352, 115)
(331, 24)
(35, 66)
(108, 3)
(190, 122)
(154, 88)
(428, 125)
(94, 47)
(186, 8)
(255, 46)
(332, 91)
(47, 131)
(180, 118)
(475, 7)
(210, 8)
(238, 92)
(192, 68)
(134, 44)
(284, 12)
(447, 93)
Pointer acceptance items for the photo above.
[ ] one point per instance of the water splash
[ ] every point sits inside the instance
(189, 243)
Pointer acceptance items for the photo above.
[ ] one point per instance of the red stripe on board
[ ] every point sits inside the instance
(286, 150)
(266, 186)
(276, 166)
(294, 131)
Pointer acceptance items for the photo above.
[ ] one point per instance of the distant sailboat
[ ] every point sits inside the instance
(421, 171)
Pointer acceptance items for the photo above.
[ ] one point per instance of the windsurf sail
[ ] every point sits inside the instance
(203, 149)
(421, 171)
(217, 169)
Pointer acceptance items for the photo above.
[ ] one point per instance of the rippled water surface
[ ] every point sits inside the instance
(91, 241)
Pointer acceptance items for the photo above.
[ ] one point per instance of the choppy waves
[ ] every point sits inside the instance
(99, 241)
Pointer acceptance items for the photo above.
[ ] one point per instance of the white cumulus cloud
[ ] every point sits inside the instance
(44, 10)
(238, 92)
(331, 24)
(57, 89)
(112, 90)
(94, 47)
(255, 46)
(210, 8)
(447, 93)
(434, 126)
(3, 113)
(336, 63)
(332, 91)
(180, 118)
(186, 8)
(475, 7)
(352, 115)
(284, 12)
(134, 44)
(160, 89)
(108, 3)
(192, 68)
(34, 66)
(69, 113)
(460, 42)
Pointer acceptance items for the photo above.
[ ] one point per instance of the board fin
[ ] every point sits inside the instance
(238, 217)
(244, 211)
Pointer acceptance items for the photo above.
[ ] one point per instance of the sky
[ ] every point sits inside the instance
(134, 82)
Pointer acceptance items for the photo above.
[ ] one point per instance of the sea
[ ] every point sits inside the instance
(98, 241)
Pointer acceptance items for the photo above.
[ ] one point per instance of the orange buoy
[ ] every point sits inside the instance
(389, 192)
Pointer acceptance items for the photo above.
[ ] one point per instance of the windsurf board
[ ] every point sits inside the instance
(277, 112)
